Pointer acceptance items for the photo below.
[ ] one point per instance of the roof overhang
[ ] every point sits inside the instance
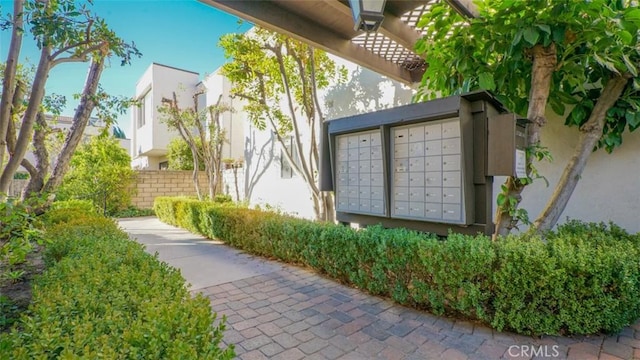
(328, 25)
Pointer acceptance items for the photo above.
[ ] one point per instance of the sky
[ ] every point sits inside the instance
(178, 33)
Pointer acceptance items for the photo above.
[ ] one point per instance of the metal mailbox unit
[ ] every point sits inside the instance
(426, 166)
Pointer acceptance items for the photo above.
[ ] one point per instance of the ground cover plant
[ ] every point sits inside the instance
(583, 279)
(103, 296)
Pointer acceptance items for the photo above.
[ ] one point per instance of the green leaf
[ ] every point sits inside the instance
(625, 37)
(633, 119)
(486, 81)
(630, 66)
(517, 38)
(633, 15)
(557, 105)
(544, 28)
(531, 35)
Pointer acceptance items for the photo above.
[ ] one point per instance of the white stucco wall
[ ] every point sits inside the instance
(608, 189)
(262, 151)
(152, 138)
(232, 121)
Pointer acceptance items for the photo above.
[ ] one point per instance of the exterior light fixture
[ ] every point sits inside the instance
(367, 14)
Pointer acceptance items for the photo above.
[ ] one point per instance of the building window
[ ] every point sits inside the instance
(164, 165)
(286, 171)
(145, 111)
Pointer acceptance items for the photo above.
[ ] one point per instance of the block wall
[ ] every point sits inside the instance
(153, 183)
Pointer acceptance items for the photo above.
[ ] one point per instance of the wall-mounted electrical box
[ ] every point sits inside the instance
(425, 166)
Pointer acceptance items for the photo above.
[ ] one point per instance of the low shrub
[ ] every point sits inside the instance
(132, 211)
(86, 206)
(103, 296)
(583, 279)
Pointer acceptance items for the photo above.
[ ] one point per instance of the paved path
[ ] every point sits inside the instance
(277, 311)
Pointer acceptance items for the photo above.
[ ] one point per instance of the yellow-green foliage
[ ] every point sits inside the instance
(584, 279)
(102, 296)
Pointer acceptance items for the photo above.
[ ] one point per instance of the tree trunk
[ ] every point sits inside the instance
(36, 182)
(329, 207)
(26, 130)
(18, 97)
(235, 180)
(590, 133)
(80, 121)
(9, 79)
(544, 63)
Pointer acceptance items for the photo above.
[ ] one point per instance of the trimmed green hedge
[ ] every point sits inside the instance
(102, 296)
(584, 279)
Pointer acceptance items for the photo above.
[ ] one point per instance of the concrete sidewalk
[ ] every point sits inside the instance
(278, 311)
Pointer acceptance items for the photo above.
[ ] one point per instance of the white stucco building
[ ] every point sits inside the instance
(151, 136)
(606, 192)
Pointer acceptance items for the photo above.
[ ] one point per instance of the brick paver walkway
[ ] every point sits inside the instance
(285, 312)
(296, 314)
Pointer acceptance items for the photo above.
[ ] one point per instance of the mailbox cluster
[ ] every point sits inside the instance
(360, 183)
(426, 172)
(427, 166)
(427, 176)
